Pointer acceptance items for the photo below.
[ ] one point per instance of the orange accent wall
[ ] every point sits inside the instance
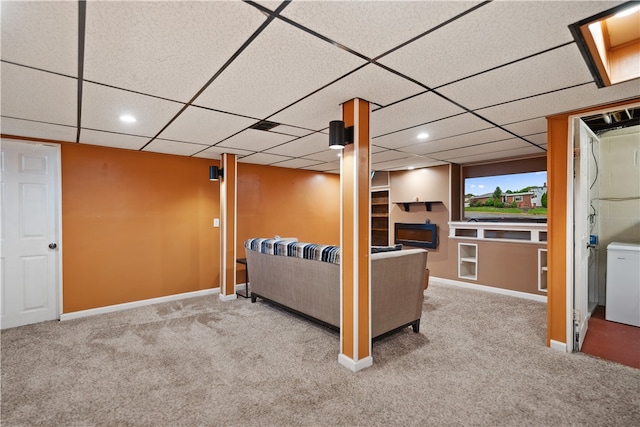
(135, 225)
(558, 137)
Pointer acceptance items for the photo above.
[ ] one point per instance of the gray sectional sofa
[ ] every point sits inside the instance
(305, 278)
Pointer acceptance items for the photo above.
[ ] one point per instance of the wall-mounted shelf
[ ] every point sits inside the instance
(407, 205)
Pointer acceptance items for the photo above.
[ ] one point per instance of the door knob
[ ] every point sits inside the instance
(52, 246)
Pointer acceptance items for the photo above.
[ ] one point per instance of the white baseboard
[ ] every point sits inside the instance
(517, 294)
(227, 297)
(134, 304)
(558, 346)
(353, 365)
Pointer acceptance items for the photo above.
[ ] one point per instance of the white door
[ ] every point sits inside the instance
(30, 255)
(582, 220)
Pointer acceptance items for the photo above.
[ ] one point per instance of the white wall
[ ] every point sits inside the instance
(618, 178)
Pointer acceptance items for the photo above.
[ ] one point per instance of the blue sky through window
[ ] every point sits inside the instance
(513, 182)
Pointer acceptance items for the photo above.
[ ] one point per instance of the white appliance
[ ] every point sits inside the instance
(623, 283)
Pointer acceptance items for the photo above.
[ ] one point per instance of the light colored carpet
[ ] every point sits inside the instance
(480, 359)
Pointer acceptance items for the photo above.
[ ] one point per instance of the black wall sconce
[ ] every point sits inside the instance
(215, 173)
(339, 136)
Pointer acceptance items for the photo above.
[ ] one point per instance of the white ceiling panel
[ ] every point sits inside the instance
(296, 163)
(372, 27)
(528, 127)
(327, 155)
(168, 49)
(509, 144)
(469, 139)
(263, 159)
(553, 70)
(291, 130)
(277, 68)
(36, 95)
(303, 146)
(102, 107)
(458, 125)
(255, 140)
(371, 83)
(408, 162)
(114, 140)
(420, 109)
(173, 147)
(216, 152)
(493, 35)
(41, 34)
(203, 126)
(559, 102)
(537, 138)
(385, 156)
(332, 167)
(498, 155)
(28, 128)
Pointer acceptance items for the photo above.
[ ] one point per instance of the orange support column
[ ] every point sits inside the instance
(228, 205)
(355, 183)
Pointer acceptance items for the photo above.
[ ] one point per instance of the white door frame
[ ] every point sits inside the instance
(58, 214)
(570, 254)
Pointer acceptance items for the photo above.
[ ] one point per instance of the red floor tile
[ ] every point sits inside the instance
(612, 341)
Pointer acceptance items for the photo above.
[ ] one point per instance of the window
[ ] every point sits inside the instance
(610, 44)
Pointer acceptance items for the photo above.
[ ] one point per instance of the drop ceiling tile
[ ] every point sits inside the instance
(174, 147)
(465, 140)
(255, 140)
(291, 130)
(169, 49)
(303, 146)
(37, 95)
(296, 163)
(202, 126)
(115, 140)
(371, 83)
(31, 129)
(420, 109)
(553, 70)
(498, 155)
(385, 156)
(216, 152)
(263, 159)
(539, 139)
(41, 34)
(102, 107)
(279, 66)
(372, 27)
(331, 167)
(327, 155)
(528, 127)
(476, 150)
(559, 102)
(408, 162)
(453, 126)
(493, 35)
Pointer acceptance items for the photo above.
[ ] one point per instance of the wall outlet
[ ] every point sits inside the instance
(216, 222)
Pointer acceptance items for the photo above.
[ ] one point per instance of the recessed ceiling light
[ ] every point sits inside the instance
(411, 168)
(127, 118)
(423, 135)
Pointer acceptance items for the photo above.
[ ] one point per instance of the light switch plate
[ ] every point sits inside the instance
(216, 222)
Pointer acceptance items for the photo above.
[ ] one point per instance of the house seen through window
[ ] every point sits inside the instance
(517, 197)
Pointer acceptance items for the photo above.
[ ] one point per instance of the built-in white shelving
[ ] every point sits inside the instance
(542, 270)
(468, 261)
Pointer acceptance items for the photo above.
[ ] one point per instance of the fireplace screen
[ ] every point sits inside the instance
(418, 235)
